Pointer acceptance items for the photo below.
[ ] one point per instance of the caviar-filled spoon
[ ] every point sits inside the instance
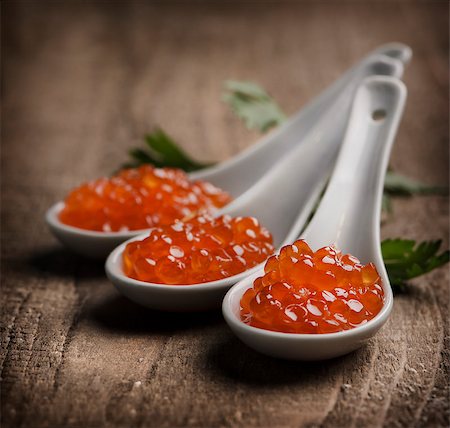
(348, 217)
(238, 174)
(281, 201)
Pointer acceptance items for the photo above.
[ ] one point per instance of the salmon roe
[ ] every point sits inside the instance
(303, 291)
(139, 198)
(198, 250)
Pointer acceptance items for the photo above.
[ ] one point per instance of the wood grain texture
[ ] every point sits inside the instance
(82, 81)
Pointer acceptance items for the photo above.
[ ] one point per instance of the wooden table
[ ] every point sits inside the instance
(83, 82)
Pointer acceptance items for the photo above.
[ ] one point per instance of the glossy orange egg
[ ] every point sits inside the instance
(312, 292)
(198, 250)
(139, 198)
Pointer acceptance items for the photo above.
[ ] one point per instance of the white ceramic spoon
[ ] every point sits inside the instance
(281, 200)
(239, 173)
(348, 217)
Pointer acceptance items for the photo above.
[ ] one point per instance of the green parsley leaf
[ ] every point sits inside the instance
(162, 151)
(253, 105)
(141, 156)
(400, 185)
(405, 259)
(386, 203)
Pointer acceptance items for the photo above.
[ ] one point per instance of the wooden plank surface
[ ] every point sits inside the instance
(82, 82)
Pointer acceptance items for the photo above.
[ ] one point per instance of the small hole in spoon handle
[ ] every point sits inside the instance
(378, 115)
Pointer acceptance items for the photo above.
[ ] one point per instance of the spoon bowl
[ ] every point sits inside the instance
(85, 242)
(278, 195)
(175, 298)
(291, 346)
(239, 174)
(348, 217)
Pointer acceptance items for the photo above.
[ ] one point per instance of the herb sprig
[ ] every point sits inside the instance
(399, 185)
(253, 105)
(404, 259)
(162, 151)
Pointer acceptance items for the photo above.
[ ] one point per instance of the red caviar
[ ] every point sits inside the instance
(304, 291)
(139, 198)
(198, 250)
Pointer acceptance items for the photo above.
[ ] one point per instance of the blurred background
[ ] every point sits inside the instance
(93, 77)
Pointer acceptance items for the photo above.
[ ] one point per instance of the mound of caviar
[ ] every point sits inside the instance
(139, 198)
(198, 250)
(304, 291)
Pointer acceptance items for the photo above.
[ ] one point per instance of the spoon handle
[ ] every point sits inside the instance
(284, 197)
(239, 173)
(349, 213)
(395, 50)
